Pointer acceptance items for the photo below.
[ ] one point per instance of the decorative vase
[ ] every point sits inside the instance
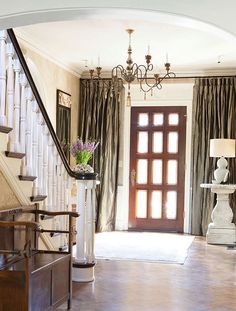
(83, 168)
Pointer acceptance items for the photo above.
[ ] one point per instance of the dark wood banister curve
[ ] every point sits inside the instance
(43, 110)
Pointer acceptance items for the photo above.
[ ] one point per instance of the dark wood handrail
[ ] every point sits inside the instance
(42, 108)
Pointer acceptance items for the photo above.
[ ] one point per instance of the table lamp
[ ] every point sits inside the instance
(221, 148)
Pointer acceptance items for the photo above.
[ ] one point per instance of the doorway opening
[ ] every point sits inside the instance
(157, 168)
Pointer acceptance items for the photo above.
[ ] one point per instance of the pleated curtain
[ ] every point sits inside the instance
(99, 119)
(214, 116)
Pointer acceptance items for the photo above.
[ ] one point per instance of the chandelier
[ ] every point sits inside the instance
(133, 71)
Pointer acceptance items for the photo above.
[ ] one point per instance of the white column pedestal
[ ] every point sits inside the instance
(82, 272)
(221, 230)
(84, 260)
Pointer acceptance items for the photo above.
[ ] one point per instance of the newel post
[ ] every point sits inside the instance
(84, 261)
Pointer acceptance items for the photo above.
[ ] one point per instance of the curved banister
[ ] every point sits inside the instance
(40, 104)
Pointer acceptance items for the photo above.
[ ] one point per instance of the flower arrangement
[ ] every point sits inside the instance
(83, 151)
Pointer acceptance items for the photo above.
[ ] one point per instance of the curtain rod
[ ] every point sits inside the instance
(181, 77)
(196, 77)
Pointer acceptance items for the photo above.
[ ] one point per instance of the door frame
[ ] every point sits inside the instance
(163, 224)
(124, 161)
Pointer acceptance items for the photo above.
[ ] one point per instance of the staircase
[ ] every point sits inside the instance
(31, 157)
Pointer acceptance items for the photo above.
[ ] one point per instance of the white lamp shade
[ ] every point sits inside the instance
(222, 147)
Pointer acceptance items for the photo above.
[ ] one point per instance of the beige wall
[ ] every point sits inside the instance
(49, 77)
(7, 197)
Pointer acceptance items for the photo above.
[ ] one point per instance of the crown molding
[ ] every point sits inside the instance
(29, 42)
(180, 73)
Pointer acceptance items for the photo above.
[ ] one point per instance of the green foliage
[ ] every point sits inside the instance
(82, 157)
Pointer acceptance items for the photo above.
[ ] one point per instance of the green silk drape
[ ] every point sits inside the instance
(99, 119)
(214, 116)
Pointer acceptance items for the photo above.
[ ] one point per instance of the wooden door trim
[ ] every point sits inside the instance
(163, 223)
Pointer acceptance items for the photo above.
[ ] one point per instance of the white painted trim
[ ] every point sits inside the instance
(32, 44)
(123, 190)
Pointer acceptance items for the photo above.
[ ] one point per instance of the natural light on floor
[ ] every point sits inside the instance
(143, 246)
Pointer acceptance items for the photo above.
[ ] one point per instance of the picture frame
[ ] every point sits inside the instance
(63, 121)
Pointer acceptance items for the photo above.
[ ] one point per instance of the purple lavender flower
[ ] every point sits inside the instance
(83, 151)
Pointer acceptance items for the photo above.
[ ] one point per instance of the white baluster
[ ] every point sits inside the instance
(45, 163)
(17, 105)
(63, 208)
(35, 146)
(40, 153)
(23, 82)
(28, 146)
(68, 197)
(54, 178)
(3, 37)
(10, 90)
(58, 188)
(50, 174)
(59, 182)
(63, 186)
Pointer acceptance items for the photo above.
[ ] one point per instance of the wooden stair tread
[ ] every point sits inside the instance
(16, 155)
(27, 178)
(38, 198)
(5, 129)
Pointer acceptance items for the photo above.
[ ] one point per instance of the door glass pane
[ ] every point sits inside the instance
(158, 119)
(172, 146)
(143, 119)
(141, 204)
(142, 171)
(157, 171)
(142, 142)
(173, 119)
(172, 172)
(157, 145)
(171, 204)
(156, 204)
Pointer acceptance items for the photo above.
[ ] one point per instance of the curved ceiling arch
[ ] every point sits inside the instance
(19, 13)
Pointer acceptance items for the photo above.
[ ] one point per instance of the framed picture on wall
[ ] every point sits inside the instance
(63, 121)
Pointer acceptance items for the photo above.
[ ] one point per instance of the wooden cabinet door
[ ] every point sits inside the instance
(157, 168)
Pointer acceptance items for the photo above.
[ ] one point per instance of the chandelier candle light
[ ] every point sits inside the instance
(133, 72)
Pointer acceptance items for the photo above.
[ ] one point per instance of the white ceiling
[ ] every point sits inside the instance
(191, 46)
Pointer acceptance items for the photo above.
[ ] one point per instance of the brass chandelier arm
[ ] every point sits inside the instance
(157, 84)
(132, 71)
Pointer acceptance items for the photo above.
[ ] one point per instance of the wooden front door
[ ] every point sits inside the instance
(157, 168)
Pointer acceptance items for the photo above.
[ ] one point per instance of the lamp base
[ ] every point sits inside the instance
(221, 173)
